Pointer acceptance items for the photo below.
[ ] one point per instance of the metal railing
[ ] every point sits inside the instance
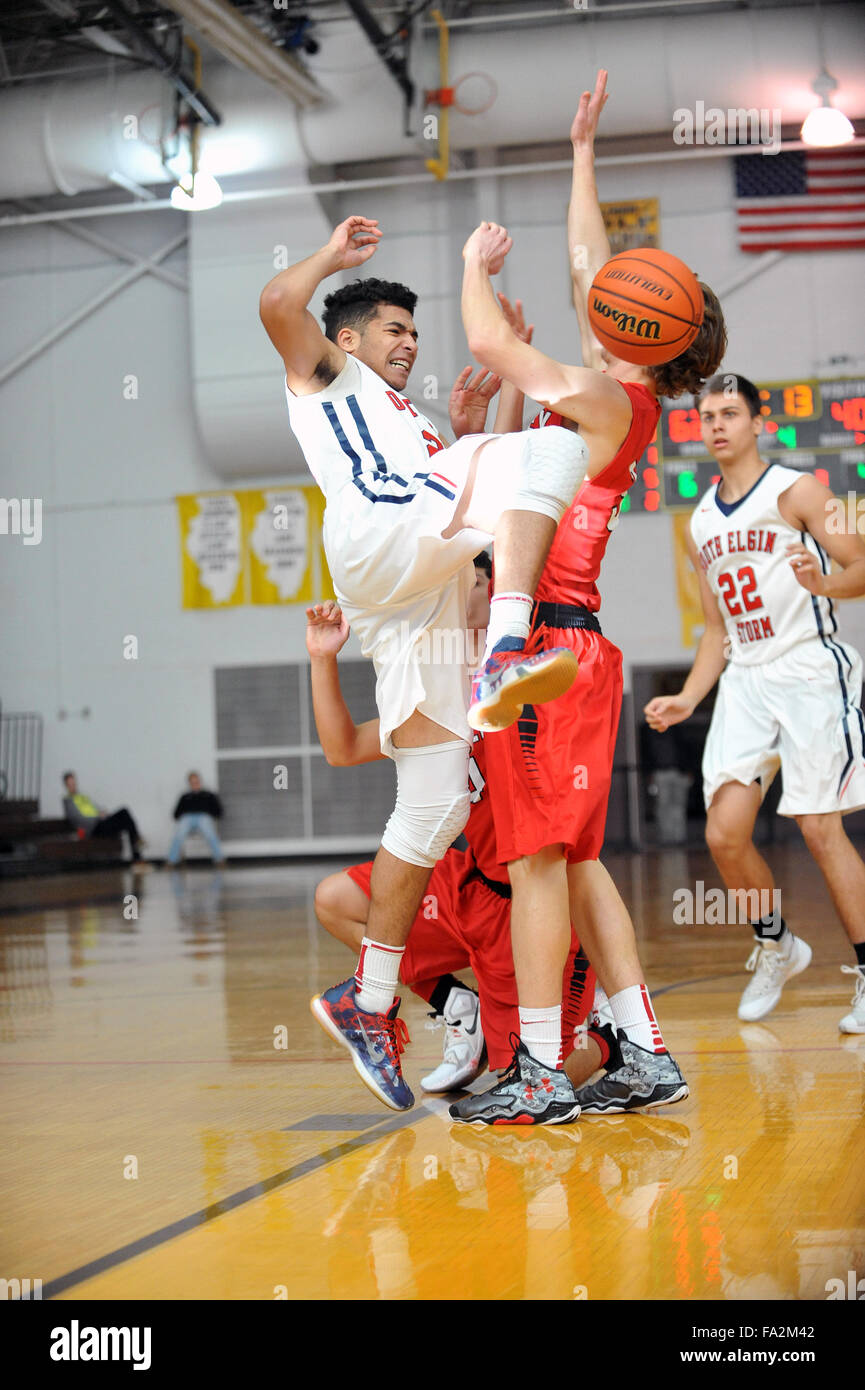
(20, 757)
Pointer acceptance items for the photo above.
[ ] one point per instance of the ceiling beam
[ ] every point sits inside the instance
(244, 45)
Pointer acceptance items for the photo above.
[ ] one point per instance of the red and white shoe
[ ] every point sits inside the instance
(510, 680)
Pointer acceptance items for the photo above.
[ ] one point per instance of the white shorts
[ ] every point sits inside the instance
(404, 590)
(801, 713)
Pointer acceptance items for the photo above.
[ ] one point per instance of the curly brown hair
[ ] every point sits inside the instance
(689, 370)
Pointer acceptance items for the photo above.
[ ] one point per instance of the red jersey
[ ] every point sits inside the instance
(574, 562)
(480, 831)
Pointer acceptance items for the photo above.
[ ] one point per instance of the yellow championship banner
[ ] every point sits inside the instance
(211, 545)
(631, 224)
(260, 546)
(325, 583)
(280, 544)
(687, 584)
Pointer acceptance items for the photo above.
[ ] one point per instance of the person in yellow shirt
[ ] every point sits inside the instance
(84, 814)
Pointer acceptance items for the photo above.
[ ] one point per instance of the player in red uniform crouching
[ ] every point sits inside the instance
(464, 921)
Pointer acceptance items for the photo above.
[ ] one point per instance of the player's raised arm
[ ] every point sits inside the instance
(708, 665)
(811, 505)
(598, 402)
(311, 360)
(344, 743)
(509, 416)
(588, 244)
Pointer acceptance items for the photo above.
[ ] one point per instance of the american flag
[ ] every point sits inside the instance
(801, 200)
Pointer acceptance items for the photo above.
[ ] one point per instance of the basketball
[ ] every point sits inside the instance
(645, 306)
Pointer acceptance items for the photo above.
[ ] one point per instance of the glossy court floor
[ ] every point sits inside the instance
(160, 1142)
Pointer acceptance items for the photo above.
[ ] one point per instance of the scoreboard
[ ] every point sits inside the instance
(816, 426)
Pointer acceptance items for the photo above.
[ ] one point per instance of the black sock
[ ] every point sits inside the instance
(769, 928)
(859, 948)
(439, 996)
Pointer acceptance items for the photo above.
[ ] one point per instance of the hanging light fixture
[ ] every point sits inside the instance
(197, 193)
(826, 125)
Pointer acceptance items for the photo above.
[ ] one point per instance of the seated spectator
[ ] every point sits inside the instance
(84, 814)
(197, 810)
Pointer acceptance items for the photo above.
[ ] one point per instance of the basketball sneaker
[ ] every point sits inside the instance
(528, 1094)
(509, 680)
(641, 1081)
(854, 1022)
(465, 1052)
(375, 1041)
(772, 963)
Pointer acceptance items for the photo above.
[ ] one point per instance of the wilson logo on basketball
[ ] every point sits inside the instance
(628, 323)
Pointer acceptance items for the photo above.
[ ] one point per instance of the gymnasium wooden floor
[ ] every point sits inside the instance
(159, 1145)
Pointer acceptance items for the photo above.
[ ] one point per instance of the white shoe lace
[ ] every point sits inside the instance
(766, 964)
(457, 1048)
(859, 996)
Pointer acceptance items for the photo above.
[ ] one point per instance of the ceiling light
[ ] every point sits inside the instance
(826, 125)
(198, 195)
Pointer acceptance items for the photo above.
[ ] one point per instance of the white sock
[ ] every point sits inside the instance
(376, 976)
(510, 616)
(541, 1033)
(600, 1000)
(632, 1010)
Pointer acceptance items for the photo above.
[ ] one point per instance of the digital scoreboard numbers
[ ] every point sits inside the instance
(815, 426)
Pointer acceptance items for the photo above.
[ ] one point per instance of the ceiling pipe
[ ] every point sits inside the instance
(242, 43)
(70, 136)
(548, 166)
(192, 95)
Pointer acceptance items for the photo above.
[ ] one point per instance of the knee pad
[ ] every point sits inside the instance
(552, 467)
(432, 802)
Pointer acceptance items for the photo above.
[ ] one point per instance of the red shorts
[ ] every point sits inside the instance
(549, 774)
(463, 924)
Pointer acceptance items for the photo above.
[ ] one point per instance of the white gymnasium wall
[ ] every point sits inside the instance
(108, 469)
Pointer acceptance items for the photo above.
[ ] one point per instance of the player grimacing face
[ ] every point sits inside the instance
(729, 429)
(388, 345)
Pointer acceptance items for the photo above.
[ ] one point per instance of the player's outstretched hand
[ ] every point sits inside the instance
(470, 399)
(514, 315)
(588, 112)
(806, 568)
(326, 629)
(490, 243)
(666, 710)
(354, 241)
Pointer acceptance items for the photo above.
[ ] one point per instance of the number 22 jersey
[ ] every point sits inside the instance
(742, 550)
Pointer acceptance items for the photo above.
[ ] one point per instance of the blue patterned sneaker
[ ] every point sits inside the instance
(528, 1094)
(375, 1041)
(509, 680)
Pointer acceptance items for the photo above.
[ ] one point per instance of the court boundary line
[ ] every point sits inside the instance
(196, 1219)
(234, 1200)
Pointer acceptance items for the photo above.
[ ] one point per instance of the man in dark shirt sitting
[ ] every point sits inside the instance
(197, 810)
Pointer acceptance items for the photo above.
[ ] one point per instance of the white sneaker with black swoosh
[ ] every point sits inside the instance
(465, 1053)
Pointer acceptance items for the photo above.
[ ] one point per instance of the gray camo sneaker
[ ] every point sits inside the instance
(641, 1081)
(528, 1094)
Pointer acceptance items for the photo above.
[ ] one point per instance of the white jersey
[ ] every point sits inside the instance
(741, 547)
(358, 432)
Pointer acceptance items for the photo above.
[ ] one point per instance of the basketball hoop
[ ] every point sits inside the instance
(476, 107)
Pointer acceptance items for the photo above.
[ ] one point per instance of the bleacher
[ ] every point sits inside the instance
(30, 843)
